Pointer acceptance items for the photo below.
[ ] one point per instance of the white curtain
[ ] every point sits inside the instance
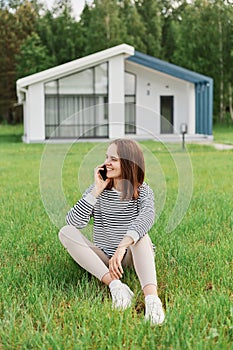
(75, 116)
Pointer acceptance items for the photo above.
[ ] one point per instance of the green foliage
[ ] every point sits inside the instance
(104, 26)
(33, 57)
(170, 25)
(60, 34)
(150, 12)
(134, 25)
(207, 51)
(15, 27)
(48, 302)
(8, 46)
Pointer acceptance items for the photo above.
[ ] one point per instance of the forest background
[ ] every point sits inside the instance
(195, 34)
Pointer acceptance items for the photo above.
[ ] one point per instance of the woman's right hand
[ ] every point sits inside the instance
(100, 184)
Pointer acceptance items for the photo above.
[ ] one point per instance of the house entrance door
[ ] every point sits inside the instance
(166, 113)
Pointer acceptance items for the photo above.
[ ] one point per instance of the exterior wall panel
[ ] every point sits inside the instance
(204, 109)
(151, 85)
(116, 108)
(35, 111)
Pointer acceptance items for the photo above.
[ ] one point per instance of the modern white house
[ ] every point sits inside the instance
(114, 93)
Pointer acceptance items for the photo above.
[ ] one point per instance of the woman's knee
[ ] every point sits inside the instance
(68, 233)
(144, 244)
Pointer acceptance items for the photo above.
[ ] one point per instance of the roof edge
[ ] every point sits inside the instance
(70, 67)
(168, 68)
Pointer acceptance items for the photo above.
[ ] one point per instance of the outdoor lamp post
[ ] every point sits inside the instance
(183, 130)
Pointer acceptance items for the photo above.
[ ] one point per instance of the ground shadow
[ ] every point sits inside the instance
(10, 138)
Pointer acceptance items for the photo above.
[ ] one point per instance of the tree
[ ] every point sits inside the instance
(105, 28)
(8, 45)
(15, 27)
(150, 12)
(33, 57)
(61, 34)
(231, 73)
(208, 51)
(171, 16)
(225, 45)
(135, 30)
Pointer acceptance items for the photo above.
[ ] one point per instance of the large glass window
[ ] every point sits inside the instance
(81, 82)
(76, 105)
(101, 79)
(130, 103)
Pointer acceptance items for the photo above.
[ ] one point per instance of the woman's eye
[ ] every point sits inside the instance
(111, 159)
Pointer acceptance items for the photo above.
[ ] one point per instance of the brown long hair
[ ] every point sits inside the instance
(132, 167)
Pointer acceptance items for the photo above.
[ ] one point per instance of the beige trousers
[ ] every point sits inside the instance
(95, 261)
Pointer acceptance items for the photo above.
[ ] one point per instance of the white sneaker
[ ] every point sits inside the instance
(121, 296)
(154, 310)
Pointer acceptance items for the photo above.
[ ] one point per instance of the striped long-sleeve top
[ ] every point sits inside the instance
(113, 217)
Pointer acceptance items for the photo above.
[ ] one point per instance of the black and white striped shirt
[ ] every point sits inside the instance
(113, 217)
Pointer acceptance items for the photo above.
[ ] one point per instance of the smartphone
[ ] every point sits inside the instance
(103, 172)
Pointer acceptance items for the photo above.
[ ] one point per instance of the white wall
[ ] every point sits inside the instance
(116, 97)
(150, 85)
(35, 113)
(26, 120)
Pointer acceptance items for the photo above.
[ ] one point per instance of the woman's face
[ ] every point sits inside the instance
(112, 163)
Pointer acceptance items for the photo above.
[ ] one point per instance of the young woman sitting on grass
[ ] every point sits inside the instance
(122, 206)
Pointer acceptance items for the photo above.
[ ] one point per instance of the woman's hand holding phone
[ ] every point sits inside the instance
(101, 180)
(103, 172)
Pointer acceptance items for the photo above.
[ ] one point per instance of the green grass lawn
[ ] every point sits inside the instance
(223, 134)
(48, 302)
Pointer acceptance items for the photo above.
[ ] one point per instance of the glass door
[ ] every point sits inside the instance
(166, 113)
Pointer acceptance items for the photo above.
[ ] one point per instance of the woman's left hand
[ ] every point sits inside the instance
(115, 267)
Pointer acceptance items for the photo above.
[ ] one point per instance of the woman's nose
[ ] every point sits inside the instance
(107, 161)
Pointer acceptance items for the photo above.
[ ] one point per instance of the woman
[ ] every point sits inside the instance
(122, 206)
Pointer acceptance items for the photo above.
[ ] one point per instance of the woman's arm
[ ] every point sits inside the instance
(145, 219)
(115, 267)
(80, 214)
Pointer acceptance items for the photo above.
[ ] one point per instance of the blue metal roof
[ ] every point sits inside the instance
(168, 68)
(203, 87)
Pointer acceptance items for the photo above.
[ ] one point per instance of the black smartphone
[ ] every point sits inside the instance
(103, 172)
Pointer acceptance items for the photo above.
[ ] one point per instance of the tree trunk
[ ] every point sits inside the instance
(107, 23)
(221, 69)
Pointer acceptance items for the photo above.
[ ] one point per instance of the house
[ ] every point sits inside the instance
(115, 93)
